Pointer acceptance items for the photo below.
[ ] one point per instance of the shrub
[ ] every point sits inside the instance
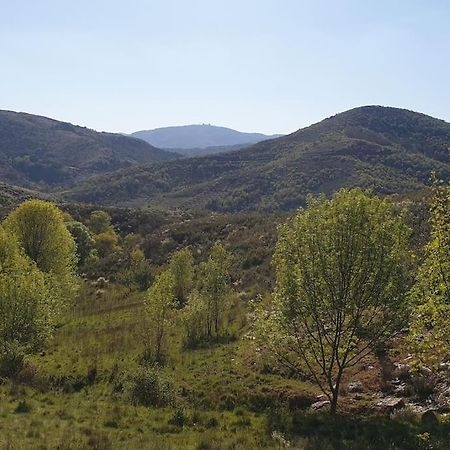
(147, 387)
(22, 407)
(12, 359)
(178, 419)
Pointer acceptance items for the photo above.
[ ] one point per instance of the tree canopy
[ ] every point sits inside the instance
(341, 285)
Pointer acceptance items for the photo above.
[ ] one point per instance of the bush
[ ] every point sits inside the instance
(178, 419)
(422, 386)
(147, 387)
(12, 359)
(22, 407)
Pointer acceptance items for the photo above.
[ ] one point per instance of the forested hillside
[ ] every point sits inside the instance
(388, 150)
(36, 149)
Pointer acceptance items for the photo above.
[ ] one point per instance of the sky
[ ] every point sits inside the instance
(270, 66)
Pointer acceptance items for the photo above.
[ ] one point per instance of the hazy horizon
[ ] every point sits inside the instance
(251, 66)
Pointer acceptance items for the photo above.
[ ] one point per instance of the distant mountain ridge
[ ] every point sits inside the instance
(36, 149)
(389, 150)
(198, 137)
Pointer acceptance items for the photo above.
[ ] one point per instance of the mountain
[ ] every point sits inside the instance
(38, 149)
(389, 150)
(190, 137)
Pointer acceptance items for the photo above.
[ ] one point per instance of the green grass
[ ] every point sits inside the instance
(70, 396)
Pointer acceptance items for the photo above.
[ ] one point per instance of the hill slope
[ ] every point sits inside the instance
(387, 149)
(198, 137)
(35, 148)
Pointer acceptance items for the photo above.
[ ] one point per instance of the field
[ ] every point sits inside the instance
(73, 395)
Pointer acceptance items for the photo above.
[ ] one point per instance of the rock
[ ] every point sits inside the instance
(320, 405)
(429, 418)
(390, 404)
(355, 386)
(401, 390)
(358, 396)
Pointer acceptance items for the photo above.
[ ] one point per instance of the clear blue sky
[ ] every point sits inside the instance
(254, 65)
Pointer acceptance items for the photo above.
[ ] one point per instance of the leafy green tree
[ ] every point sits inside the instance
(159, 304)
(83, 240)
(106, 243)
(341, 274)
(100, 222)
(182, 267)
(27, 305)
(215, 289)
(41, 232)
(195, 320)
(138, 272)
(430, 327)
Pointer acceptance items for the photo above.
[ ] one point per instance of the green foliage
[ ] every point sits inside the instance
(159, 304)
(100, 222)
(388, 150)
(27, 307)
(148, 387)
(37, 256)
(106, 243)
(341, 283)
(35, 149)
(12, 358)
(83, 240)
(430, 329)
(195, 320)
(214, 289)
(182, 267)
(27, 301)
(40, 230)
(138, 272)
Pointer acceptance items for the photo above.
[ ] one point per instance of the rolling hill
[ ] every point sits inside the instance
(389, 150)
(37, 149)
(189, 138)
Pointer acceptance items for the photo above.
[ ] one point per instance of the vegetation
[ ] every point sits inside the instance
(41, 152)
(37, 257)
(430, 333)
(341, 286)
(388, 150)
(182, 269)
(158, 348)
(161, 297)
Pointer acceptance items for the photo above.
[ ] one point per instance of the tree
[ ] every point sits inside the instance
(341, 283)
(39, 229)
(106, 243)
(182, 267)
(159, 303)
(100, 222)
(214, 287)
(83, 240)
(195, 320)
(26, 304)
(430, 327)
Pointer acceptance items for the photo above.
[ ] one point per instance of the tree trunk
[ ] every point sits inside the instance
(334, 402)
(335, 394)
